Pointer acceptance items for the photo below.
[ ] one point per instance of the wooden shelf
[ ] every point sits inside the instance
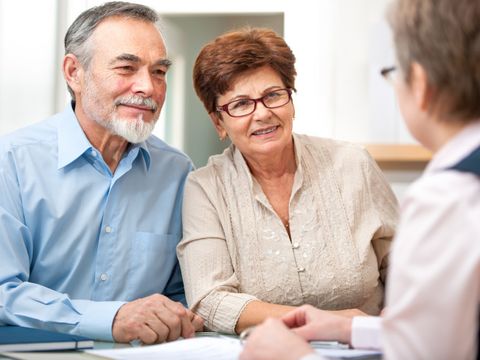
(400, 156)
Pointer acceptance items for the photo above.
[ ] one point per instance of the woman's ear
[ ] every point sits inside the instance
(420, 88)
(218, 124)
(73, 72)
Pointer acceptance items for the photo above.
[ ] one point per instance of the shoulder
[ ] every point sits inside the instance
(444, 189)
(214, 168)
(335, 148)
(38, 135)
(342, 155)
(159, 149)
(444, 201)
(439, 211)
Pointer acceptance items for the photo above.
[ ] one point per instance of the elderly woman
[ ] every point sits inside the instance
(279, 219)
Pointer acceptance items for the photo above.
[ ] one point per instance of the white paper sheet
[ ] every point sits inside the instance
(205, 348)
(200, 348)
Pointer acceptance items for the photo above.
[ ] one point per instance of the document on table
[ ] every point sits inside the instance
(199, 348)
(208, 348)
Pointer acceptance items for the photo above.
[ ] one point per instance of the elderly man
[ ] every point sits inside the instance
(90, 202)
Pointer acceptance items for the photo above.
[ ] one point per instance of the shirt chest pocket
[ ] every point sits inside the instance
(151, 262)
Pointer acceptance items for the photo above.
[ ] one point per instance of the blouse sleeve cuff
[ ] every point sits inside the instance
(225, 309)
(366, 332)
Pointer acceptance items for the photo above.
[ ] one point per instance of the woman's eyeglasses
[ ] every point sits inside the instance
(243, 107)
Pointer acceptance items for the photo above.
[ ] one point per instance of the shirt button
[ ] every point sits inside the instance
(94, 153)
(296, 245)
(300, 269)
(108, 229)
(103, 277)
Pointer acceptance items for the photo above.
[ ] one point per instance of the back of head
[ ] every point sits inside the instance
(443, 36)
(222, 60)
(77, 36)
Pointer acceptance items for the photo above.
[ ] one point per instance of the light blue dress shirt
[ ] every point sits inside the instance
(77, 241)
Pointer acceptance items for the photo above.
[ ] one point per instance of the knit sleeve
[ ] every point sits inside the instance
(386, 206)
(211, 286)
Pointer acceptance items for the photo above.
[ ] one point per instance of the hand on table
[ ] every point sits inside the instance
(154, 319)
(273, 340)
(315, 324)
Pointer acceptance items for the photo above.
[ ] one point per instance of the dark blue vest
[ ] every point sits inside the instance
(471, 164)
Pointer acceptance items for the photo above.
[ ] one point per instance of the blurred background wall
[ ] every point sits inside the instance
(340, 47)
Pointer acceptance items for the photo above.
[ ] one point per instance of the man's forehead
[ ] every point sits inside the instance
(123, 29)
(120, 36)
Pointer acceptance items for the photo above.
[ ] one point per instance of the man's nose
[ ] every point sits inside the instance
(143, 83)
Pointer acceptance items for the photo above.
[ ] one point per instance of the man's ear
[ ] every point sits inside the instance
(73, 72)
(421, 90)
(218, 125)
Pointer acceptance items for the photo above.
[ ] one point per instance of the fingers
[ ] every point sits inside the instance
(292, 319)
(154, 319)
(179, 321)
(325, 325)
(272, 340)
(152, 332)
(295, 318)
(190, 323)
(128, 326)
(306, 332)
(197, 322)
(171, 322)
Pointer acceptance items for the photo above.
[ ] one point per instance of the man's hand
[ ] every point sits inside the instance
(154, 319)
(273, 340)
(315, 324)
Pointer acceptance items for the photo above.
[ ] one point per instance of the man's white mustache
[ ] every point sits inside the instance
(138, 100)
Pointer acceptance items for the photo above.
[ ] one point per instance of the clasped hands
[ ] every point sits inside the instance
(154, 319)
(287, 338)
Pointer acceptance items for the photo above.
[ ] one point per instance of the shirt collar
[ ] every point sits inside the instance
(240, 162)
(143, 149)
(73, 143)
(298, 152)
(456, 149)
(298, 180)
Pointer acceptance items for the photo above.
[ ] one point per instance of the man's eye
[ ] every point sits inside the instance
(159, 72)
(126, 68)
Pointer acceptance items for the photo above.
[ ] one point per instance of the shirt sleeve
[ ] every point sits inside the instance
(211, 286)
(313, 356)
(25, 303)
(366, 332)
(433, 292)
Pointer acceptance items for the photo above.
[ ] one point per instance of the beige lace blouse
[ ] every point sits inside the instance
(235, 248)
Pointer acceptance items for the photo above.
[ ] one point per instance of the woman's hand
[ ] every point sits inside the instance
(315, 324)
(350, 313)
(273, 340)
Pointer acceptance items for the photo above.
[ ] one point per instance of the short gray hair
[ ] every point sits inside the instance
(78, 34)
(443, 36)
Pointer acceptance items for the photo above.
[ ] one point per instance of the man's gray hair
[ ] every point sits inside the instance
(78, 34)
